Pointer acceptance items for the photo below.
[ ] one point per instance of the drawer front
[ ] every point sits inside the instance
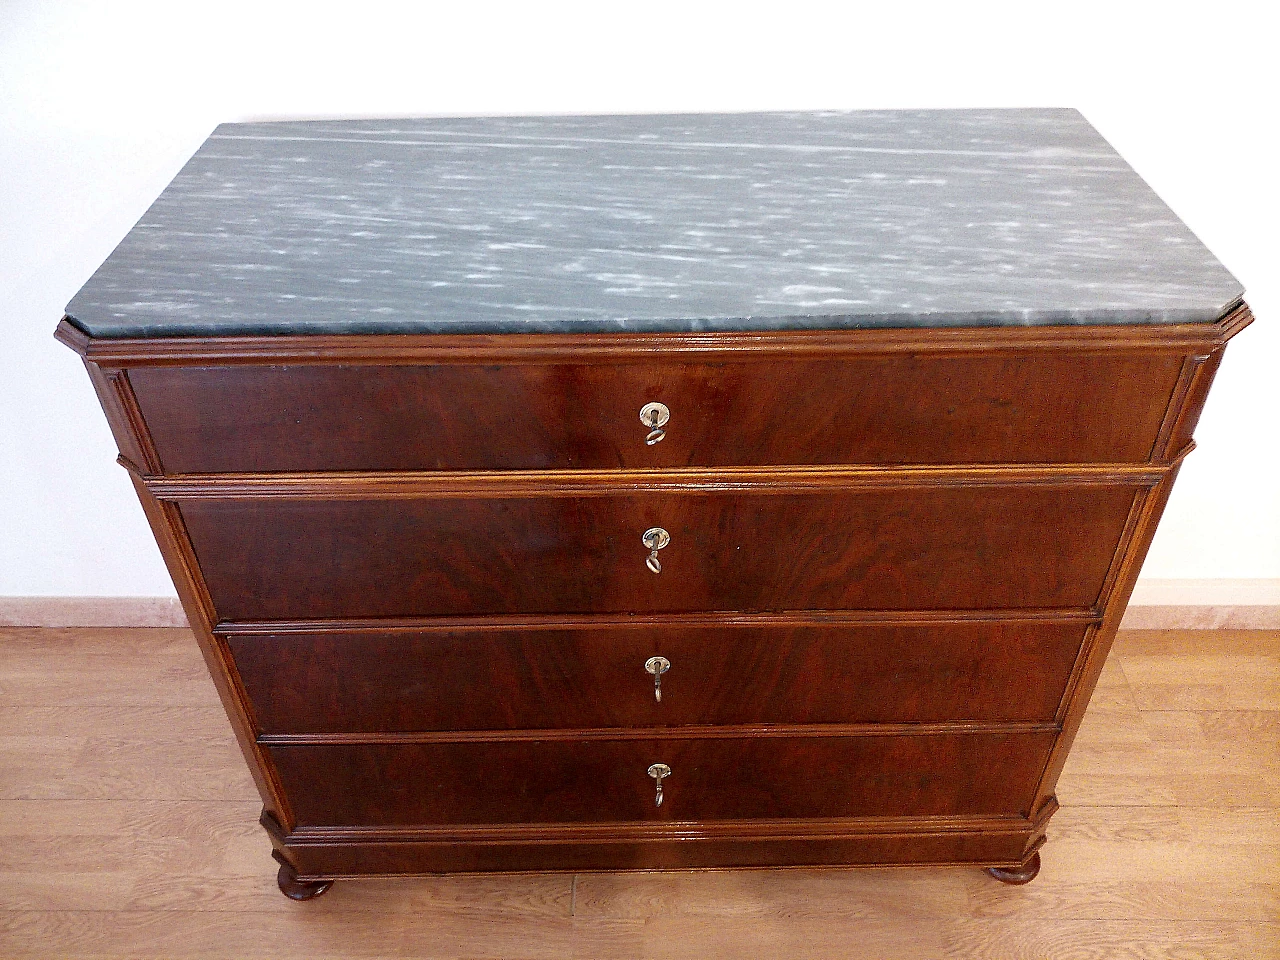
(906, 548)
(590, 678)
(1041, 406)
(721, 778)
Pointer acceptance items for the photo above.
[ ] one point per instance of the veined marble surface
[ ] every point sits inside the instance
(686, 222)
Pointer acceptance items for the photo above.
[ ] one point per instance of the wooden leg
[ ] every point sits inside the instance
(296, 889)
(1018, 875)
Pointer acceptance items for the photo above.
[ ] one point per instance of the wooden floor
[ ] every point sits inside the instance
(128, 829)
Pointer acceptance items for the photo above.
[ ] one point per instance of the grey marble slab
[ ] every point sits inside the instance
(685, 222)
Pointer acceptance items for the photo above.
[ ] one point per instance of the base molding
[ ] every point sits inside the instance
(320, 862)
(320, 854)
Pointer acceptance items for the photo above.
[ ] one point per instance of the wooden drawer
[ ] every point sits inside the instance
(1041, 406)
(713, 778)
(506, 679)
(866, 547)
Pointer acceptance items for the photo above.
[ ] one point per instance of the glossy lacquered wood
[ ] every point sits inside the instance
(1169, 800)
(993, 842)
(721, 778)
(1055, 406)
(514, 679)
(896, 549)
(365, 574)
(1017, 876)
(300, 890)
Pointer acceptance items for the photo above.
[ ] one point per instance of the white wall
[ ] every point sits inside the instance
(100, 104)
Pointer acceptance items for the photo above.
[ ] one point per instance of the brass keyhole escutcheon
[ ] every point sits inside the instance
(654, 416)
(659, 772)
(657, 666)
(655, 538)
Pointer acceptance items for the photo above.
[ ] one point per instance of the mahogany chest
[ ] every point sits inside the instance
(591, 493)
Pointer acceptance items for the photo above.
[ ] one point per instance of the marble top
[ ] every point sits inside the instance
(640, 223)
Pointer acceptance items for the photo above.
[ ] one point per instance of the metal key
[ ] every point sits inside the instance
(659, 772)
(655, 538)
(657, 666)
(654, 416)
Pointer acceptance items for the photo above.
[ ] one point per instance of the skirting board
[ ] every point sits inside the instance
(1155, 605)
(1203, 605)
(91, 612)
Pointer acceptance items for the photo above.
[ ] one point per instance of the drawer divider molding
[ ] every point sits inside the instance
(690, 732)
(725, 619)
(580, 483)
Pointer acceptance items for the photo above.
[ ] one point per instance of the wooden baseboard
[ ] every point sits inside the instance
(1155, 605)
(1200, 618)
(1203, 605)
(91, 612)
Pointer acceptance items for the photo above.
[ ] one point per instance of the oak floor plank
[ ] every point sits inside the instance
(128, 828)
(139, 722)
(1187, 643)
(853, 894)
(106, 767)
(479, 899)
(136, 818)
(1112, 728)
(53, 668)
(1217, 670)
(42, 889)
(113, 641)
(300, 931)
(782, 913)
(1060, 939)
(1235, 775)
(1255, 730)
(1168, 863)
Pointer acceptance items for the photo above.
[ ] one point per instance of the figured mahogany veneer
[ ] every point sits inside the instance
(898, 559)
(914, 548)
(1043, 408)
(586, 676)
(602, 780)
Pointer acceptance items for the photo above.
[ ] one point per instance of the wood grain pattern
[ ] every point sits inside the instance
(849, 848)
(893, 409)
(555, 781)
(1121, 578)
(590, 483)
(111, 384)
(927, 548)
(750, 536)
(512, 679)
(167, 879)
(175, 548)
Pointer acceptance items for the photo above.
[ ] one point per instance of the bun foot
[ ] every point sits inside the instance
(1018, 875)
(296, 889)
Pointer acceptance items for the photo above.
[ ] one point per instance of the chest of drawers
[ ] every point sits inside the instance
(626, 493)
